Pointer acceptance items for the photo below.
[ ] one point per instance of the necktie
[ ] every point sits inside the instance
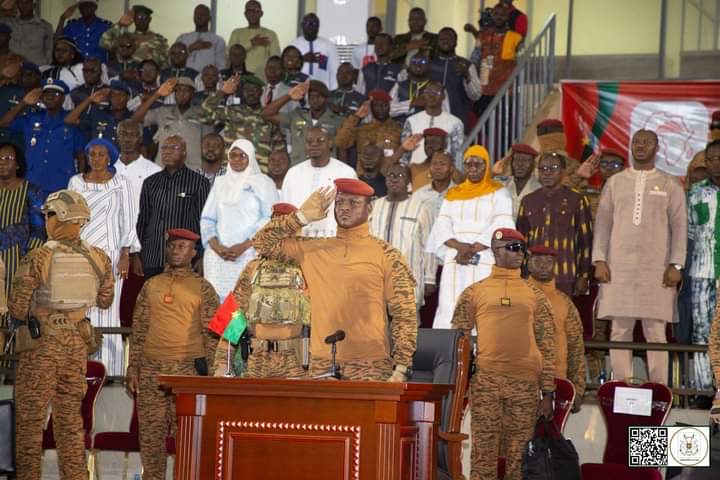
(311, 63)
(269, 96)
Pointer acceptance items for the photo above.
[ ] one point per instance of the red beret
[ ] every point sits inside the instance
(280, 209)
(434, 131)
(524, 148)
(508, 234)
(613, 152)
(551, 122)
(354, 187)
(380, 95)
(181, 234)
(542, 250)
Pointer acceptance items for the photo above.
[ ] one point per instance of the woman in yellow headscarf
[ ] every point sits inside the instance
(469, 215)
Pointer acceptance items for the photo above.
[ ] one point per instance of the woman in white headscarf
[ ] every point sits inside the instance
(239, 204)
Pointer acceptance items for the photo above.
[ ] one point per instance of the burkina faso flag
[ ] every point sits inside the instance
(601, 115)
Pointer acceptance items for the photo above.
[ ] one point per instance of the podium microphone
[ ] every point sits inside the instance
(338, 336)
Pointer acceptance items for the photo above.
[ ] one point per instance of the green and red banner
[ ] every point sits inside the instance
(605, 114)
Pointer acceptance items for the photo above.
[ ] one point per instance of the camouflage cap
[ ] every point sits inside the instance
(69, 206)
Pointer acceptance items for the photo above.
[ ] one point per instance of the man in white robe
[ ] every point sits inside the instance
(320, 170)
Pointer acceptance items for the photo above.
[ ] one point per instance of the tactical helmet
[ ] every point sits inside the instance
(69, 206)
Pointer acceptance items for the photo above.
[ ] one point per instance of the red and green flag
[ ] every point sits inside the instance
(601, 115)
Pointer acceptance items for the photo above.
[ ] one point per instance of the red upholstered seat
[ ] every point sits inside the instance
(95, 377)
(615, 458)
(120, 441)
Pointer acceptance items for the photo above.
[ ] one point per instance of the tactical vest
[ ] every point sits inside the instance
(278, 295)
(72, 281)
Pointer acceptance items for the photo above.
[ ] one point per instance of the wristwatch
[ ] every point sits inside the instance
(677, 267)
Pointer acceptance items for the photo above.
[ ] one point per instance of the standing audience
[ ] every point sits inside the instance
(259, 42)
(204, 47)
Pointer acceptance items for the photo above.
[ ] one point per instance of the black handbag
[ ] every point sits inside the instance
(549, 455)
(7, 436)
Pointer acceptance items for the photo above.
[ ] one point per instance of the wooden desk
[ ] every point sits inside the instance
(231, 428)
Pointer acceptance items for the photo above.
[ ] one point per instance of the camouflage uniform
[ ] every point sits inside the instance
(385, 135)
(504, 397)
(52, 368)
(351, 276)
(156, 408)
(150, 45)
(263, 364)
(242, 121)
(297, 123)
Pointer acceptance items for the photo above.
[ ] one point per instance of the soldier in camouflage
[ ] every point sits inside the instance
(273, 296)
(515, 359)
(53, 288)
(149, 45)
(246, 120)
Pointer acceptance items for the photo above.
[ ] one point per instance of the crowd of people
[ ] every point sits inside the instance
(235, 204)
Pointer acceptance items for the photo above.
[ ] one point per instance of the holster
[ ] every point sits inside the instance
(90, 335)
(23, 341)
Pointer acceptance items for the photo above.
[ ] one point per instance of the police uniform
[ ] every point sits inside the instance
(355, 282)
(272, 293)
(170, 337)
(53, 288)
(244, 121)
(150, 45)
(100, 122)
(515, 359)
(87, 37)
(51, 146)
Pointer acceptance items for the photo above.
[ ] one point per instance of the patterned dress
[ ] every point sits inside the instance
(22, 228)
(113, 212)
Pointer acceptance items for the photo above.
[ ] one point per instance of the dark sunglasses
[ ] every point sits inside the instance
(610, 163)
(550, 168)
(515, 247)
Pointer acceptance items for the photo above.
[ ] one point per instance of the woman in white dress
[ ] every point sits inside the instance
(113, 213)
(239, 204)
(461, 235)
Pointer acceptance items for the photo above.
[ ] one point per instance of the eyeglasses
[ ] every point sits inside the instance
(419, 61)
(237, 154)
(433, 92)
(610, 164)
(396, 175)
(515, 247)
(474, 164)
(550, 168)
(7, 158)
(51, 93)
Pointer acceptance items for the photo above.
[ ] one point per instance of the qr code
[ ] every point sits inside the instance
(647, 446)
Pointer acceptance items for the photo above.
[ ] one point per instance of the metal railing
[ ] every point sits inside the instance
(514, 107)
(679, 380)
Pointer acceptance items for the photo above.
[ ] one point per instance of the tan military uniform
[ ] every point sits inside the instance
(52, 369)
(354, 280)
(385, 135)
(271, 294)
(714, 346)
(515, 359)
(170, 332)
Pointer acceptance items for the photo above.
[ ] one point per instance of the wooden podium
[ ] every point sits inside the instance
(230, 428)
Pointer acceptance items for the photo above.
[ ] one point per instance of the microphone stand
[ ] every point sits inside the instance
(335, 370)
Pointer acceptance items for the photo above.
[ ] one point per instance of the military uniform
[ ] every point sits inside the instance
(515, 359)
(56, 284)
(714, 346)
(355, 282)
(298, 122)
(150, 45)
(385, 135)
(170, 337)
(243, 121)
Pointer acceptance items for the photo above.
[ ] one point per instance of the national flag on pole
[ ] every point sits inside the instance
(605, 115)
(223, 315)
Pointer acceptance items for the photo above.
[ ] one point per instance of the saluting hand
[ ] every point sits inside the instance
(298, 91)
(33, 96)
(318, 203)
(167, 87)
(229, 86)
(588, 168)
(364, 109)
(127, 19)
(69, 12)
(99, 95)
(412, 142)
